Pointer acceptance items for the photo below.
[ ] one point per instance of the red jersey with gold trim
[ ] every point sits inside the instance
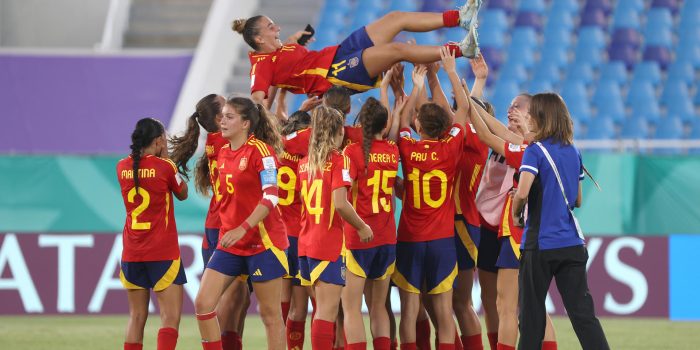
(429, 169)
(322, 228)
(290, 198)
(298, 142)
(292, 67)
(240, 173)
(372, 192)
(150, 233)
(212, 147)
(469, 171)
(514, 158)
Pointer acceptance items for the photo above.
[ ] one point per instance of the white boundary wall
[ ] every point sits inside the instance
(213, 59)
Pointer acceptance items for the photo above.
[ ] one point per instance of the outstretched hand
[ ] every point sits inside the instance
(479, 67)
(310, 103)
(418, 76)
(295, 37)
(448, 59)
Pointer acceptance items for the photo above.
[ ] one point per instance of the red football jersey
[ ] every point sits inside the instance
(212, 147)
(429, 167)
(290, 199)
(292, 67)
(298, 142)
(150, 233)
(372, 192)
(240, 173)
(514, 158)
(470, 169)
(322, 228)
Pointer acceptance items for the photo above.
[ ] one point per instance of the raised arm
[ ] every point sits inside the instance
(384, 88)
(395, 118)
(485, 135)
(496, 127)
(481, 73)
(418, 77)
(435, 88)
(448, 63)
(281, 108)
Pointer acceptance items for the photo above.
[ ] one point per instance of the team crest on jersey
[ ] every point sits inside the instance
(243, 164)
(353, 62)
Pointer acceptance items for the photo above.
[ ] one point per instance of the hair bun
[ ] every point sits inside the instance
(238, 25)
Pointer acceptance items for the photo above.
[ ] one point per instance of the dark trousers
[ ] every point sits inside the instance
(568, 267)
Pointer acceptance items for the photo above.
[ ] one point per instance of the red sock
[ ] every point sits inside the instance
(356, 346)
(295, 334)
(382, 343)
(322, 335)
(239, 341)
(394, 345)
(133, 346)
(493, 340)
(450, 18)
(500, 346)
(454, 48)
(285, 310)
(458, 342)
(409, 346)
(472, 342)
(422, 334)
(549, 345)
(167, 338)
(212, 345)
(228, 340)
(446, 346)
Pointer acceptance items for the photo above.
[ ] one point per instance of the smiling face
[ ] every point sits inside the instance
(268, 37)
(232, 124)
(519, 105)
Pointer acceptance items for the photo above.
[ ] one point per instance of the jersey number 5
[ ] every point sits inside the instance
(135, 224)
(381, 178)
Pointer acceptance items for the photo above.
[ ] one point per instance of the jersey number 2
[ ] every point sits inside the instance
(135, 224)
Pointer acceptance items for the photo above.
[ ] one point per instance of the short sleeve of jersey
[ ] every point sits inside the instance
(471, 140)
(350, 153)
(340, 176)
(174, 179)
(531, 160)
(455, 139)
(405, 139)
(580, 161)
(298, 142)
(261, 74)
(514, 154)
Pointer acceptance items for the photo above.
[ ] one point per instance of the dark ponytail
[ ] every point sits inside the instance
(146, 130)
(297, 121)
(262, 125)
(184, 147)
(373, 117)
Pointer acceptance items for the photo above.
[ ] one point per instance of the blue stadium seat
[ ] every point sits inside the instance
(523, 37)
(625, 18)
(493, 19)
(604, 5)
(537, 6)
(504, 92)
(662, 55)
(607, 93)
(559, 6)
(403, 5)
(506, 5)
(593, 17)
(513, 71)
(648, 71)
(565, 22)
(456, 34)
(658, 18)
(661, 37)
(690, 17)
(635, 128)
(695, 129)
(689, 37)
(553, 55)
(647, 109)
(490, 37)
(671, 5)
(341, 6)
(522, 55)
(360, 20)
(591, 37)
(557, 38)
(626, 37)
(601, 128)
(639, 92)
(576, 98)
(546, 72)
(614, 71)
(589, 55)
(581, 72)
(369, 5)
(624, 54)
(426, 38)
(529, 19)
(669, 128)
(636, 5)
(537, 86)
(689, 54)
(674, 89)
(614, 109)
(494, 56)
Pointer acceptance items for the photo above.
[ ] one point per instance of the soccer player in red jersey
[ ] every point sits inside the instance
(253, 237)
(494, 135)
(294, 296)
(373, 167)
(232, 308)
(151, 254)
(425, 253)
(356, 63)
(323, 181)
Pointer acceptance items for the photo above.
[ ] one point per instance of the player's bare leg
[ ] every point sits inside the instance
(269, 294)
(138, 314)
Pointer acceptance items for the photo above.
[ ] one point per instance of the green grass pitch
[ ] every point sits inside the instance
(107, 332)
